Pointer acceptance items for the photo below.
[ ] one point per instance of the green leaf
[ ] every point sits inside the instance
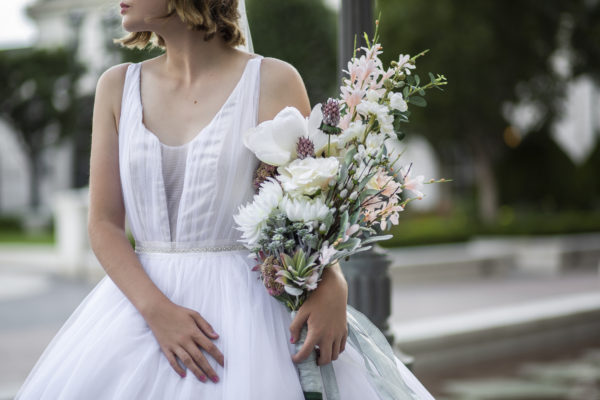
(372, 239)
(417, 101)
(431, 77)
(350, 244)
(417, 80)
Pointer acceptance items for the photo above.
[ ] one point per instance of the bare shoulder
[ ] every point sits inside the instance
(281, 86)
(109, 89)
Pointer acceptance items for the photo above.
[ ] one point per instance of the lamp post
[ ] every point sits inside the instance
(355, 18)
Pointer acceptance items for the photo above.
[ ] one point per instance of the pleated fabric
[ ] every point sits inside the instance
(105, 349)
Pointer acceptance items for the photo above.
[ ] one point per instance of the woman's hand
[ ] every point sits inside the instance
(325, 314)
(179, 331)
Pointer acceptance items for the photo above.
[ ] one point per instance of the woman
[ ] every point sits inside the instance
(166, 148)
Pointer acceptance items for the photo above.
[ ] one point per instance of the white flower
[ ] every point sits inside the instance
(370, 107)
(307, 175)
(413, 184)
(251, 218)
(275, 141)
(355, 130)
(386, 123)
(397, 102)
(373, 95)
(303, 208)
(403, 64)
(374, 142)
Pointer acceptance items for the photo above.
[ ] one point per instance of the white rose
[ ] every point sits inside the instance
(397, 102)
(308, 175)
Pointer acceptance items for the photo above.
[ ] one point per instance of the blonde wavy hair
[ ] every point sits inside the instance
(211, 16)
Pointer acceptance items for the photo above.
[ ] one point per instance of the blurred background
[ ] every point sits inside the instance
(490, 288)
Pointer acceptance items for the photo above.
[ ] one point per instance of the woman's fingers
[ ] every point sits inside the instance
(171, 357)
(335, 350)
(189, 362)
(343, 343)
(204, 325)
(210, 348)
(325, 353)
(201, 361)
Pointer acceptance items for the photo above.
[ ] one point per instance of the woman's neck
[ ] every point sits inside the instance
(188, 55)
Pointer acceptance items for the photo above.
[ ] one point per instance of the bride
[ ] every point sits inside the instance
(182, 315)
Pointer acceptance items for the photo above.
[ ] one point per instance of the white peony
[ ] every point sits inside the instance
(306, 176)
(251, 218)
(275, 141)
(397, 102)
(303, 208)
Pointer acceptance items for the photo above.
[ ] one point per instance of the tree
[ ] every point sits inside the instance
(38, 99)
(493, 53)
(301, 32)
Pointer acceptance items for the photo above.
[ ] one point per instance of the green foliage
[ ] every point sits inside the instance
(551, 182)
(39, 100)
(492, 52)
(303, 33)
(429, 229)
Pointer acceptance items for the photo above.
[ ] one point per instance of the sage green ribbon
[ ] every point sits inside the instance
(379, 359)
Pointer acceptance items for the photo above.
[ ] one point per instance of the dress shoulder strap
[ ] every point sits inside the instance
(253, 86)
(130, 93)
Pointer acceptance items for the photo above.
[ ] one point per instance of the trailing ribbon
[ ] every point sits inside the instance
(379, 359)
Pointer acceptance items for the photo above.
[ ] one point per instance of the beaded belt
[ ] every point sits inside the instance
(183, 247)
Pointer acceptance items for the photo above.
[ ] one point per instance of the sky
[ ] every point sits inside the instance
(16, 29)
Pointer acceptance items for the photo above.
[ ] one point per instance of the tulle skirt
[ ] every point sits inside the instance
(105, 349)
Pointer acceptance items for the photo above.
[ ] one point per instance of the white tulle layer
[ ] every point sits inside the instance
(105, 350)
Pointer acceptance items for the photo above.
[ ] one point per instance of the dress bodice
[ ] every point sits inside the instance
(193, 189)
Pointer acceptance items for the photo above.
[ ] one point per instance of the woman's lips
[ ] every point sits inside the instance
(123, 7)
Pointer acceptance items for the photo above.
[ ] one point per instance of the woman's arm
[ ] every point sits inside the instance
(325, 310)
(177, 329)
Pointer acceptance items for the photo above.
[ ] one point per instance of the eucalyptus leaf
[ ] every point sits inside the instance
(372, 239)
(351, 244)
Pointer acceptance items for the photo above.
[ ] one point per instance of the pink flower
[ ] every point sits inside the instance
(352, 97)
(414, 184)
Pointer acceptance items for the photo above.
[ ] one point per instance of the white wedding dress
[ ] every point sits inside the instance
(180, 202)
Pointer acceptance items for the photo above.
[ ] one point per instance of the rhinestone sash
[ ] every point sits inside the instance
(183, 247)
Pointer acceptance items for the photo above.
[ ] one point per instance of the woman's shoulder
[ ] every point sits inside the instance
(281, 86)
(277, 71)
(109, 89)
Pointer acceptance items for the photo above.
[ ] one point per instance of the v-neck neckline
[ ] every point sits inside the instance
(210, 123)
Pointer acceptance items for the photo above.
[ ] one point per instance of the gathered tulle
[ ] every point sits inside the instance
(105, 350)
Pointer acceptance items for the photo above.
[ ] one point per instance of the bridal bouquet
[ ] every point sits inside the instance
(329, 184)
